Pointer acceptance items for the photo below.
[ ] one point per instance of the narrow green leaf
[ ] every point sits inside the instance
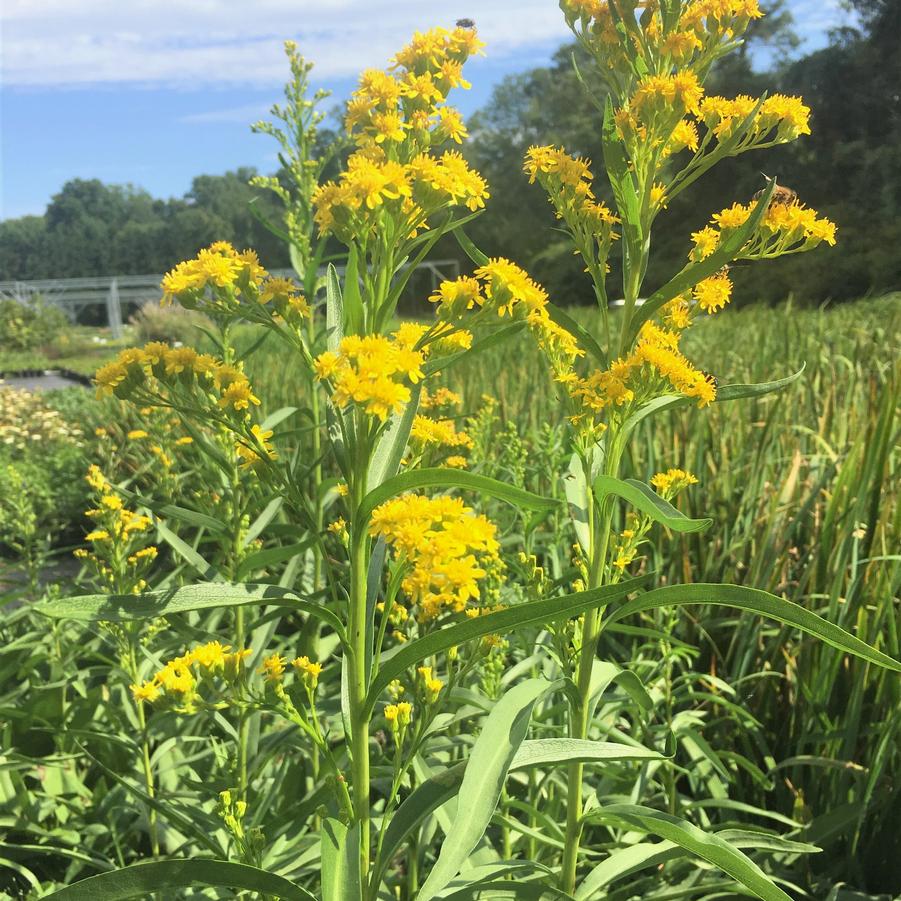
(260, 560)
(122, 608)
(701, 844)
(623, 862)
(645, 499)
(756, 601)
(187, 553)
(605, 672)
(263, 520)
(296, 259)
(501, 622)
(583, 337)
(545, 752)
(334, 308)
(486, 771)
(391, 446)
(143, 879)
(352, 300)
(182, 514)
(429, 795)
(723, 394)
(276, 417)
(469, 248)
(340, 861)
(621, 179)
(450, 478)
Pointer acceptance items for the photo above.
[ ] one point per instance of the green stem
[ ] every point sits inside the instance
(358, 675)
(599, 539)
(149, 785)
(243, 718)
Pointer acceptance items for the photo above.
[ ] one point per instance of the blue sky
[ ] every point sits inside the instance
(154, 92)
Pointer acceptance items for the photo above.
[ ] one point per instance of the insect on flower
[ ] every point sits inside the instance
(781, 193)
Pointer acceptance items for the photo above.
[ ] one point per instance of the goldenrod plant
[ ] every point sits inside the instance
(464, 729)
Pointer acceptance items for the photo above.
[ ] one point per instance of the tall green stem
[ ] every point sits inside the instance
(358, 673)
(600, 517)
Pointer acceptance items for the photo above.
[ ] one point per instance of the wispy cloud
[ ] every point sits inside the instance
(249, 112)
(191, 42)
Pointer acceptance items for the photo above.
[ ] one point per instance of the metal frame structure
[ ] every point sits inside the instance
(74, 295)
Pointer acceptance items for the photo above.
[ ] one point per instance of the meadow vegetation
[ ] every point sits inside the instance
(510, 601)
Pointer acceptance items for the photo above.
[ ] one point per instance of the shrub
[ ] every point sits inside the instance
(25, 326)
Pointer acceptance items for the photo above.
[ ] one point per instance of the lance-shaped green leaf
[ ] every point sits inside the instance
(645, 499)
(492, 339)
(393, 442)
(724, 393)
(449, 478)
(755, 600)
(486, 771)
(469, 248)
(340, 861)
(334, 308)
(181, 514)
(625, 861)
(711, 848)
(547, 610)
(189, 554)
(122, 608)
(148, 879)
(429, 795)
(352, 300)
(583, 337)
(697, 271)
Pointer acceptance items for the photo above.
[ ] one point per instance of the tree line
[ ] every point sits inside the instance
(849, 169)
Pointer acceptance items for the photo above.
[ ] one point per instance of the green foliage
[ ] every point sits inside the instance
(26, 326)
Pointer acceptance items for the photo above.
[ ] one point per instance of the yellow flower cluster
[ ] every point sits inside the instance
(779, 119)
(499, 285)
(655, 367)
(440, 397)
(119, 554)
(568, 180)
(427, 432)
(430, 684)
(374, 371)
(176, 683)
(396, 118)
(220, 280)
(407, 103)
(786, 227)
(703, 28)
(375, 192)
(257, 449)
(672, 481)
(447, 549)
(145, 374)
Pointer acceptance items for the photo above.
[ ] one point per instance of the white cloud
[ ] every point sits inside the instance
(191, 42)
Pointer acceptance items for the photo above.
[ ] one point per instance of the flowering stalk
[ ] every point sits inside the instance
(653, 61)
